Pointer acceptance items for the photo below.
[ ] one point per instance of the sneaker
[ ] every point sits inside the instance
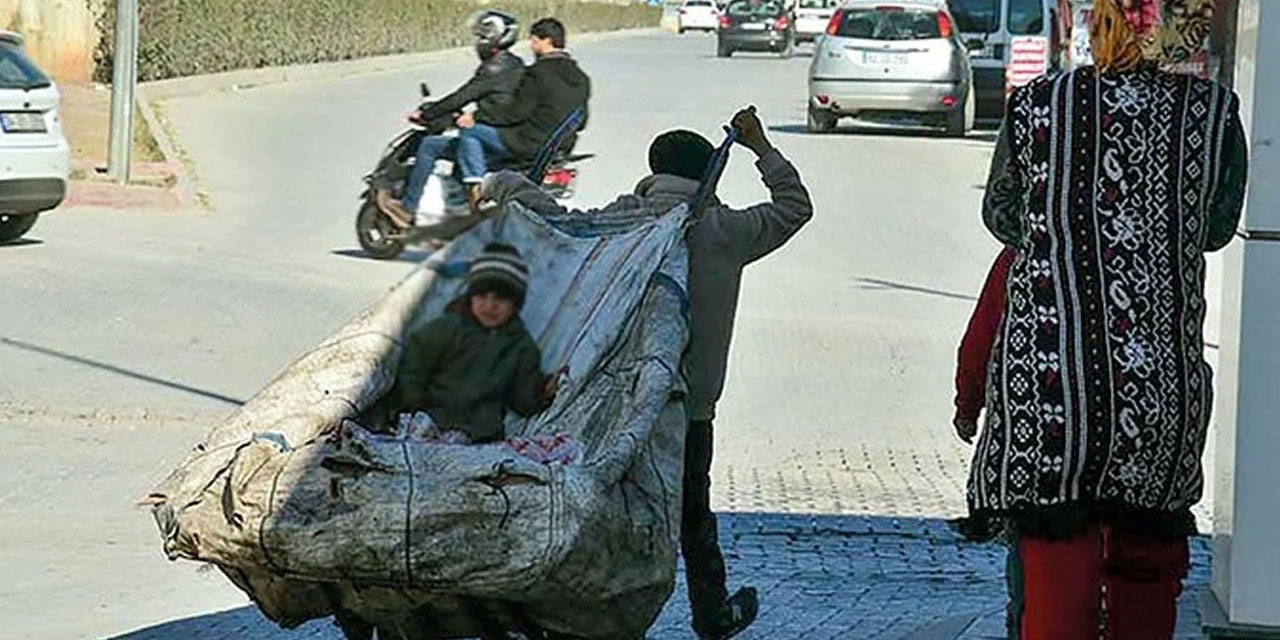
(738, 613)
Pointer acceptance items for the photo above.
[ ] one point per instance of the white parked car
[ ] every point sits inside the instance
(35, 158)
(702, 15)
(901, 65)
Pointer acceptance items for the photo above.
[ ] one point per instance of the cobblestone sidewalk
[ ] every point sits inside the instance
(821, 578)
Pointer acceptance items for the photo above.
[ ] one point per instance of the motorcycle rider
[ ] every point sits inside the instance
(492, 87)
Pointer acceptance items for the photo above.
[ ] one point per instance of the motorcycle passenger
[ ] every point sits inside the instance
(550, 89)
(492, 87)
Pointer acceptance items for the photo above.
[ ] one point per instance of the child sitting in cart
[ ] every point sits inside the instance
(463, 371)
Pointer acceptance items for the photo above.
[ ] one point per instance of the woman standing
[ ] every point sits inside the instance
(1111, 182)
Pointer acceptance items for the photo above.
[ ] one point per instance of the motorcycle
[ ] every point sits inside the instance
(444, 212)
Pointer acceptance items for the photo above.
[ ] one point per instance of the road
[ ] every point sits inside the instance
(125, 335)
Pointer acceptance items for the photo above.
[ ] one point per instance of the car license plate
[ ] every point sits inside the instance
(23, 122)
(879, 58)
(753, 26)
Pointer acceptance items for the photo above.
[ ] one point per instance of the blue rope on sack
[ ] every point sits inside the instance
(537, 171)
(549, 151)
(711, 175)
(454, 269)
(547, 154)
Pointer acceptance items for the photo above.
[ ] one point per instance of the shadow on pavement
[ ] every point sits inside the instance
(876, 284)
(750, 55)
(982, 137)
(22, 242)
(68, 357)
(410, 255)
(820, 576)
(245, 622)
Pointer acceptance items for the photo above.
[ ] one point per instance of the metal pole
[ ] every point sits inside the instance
(123, 83)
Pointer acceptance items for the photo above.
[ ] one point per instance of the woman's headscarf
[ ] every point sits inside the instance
(1129, 32)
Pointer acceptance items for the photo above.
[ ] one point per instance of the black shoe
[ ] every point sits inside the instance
(974, 529)
(738, 612)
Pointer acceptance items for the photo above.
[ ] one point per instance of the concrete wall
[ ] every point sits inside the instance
(61, 34)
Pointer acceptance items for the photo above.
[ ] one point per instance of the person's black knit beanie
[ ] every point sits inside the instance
(681, 153)
(499, 269)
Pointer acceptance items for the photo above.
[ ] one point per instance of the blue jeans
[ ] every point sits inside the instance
(472, 150)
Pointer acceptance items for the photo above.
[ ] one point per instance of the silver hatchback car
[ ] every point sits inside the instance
(892, 63)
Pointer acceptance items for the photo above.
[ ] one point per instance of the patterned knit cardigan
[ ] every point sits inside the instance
(1112, 187)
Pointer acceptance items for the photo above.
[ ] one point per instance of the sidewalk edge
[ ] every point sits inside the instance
(159, 90)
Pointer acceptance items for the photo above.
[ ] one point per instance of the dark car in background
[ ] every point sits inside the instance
(988, 27)
(756, 25)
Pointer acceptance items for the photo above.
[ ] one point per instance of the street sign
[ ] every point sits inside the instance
(1028, 60)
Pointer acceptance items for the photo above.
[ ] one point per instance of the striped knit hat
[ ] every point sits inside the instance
(499, 269)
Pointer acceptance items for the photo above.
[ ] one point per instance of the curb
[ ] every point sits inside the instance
(151, 93)
(160, 90)
(106, 195)
(185, 189)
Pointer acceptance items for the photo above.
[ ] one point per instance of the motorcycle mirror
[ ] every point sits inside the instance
(422, 89)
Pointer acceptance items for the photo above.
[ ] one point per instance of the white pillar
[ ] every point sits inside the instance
(1245, 601)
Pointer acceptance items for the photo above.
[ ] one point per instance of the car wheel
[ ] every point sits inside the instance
(821, 121)
(723, 51)
(680, 31)
(971, 110)
(960, 121)
(14, 225)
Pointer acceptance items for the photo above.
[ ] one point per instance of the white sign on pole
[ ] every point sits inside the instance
(1028, 60)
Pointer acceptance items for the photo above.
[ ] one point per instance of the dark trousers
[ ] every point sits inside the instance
(1067, 582)
(699, 541)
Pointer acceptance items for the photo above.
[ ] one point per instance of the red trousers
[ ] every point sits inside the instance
(1066, 584)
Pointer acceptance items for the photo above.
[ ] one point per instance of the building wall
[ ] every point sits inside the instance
(61, 34)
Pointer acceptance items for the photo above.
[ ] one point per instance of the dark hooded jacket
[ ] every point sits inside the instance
(492, 87)
(549, 91)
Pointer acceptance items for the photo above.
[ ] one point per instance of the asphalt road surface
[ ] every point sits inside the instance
(123, 335)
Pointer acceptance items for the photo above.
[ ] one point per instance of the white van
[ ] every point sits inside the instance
(812, 18)
(988, 27)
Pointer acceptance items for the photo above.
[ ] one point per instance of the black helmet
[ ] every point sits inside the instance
(494, 30)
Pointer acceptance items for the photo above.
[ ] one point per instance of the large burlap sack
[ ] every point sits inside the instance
(303, 503)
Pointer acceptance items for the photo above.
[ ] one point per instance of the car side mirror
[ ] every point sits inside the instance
(424, 90)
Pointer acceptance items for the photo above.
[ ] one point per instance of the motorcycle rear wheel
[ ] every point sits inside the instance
(374, 231)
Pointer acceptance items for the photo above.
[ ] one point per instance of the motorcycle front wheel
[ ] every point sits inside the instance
(376, 233)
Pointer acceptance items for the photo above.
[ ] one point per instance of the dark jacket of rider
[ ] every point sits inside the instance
(492, 87)
(548, 92)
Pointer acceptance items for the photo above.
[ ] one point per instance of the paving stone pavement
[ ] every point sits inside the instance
(876, 578)
(821, 578)
(843, 542)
